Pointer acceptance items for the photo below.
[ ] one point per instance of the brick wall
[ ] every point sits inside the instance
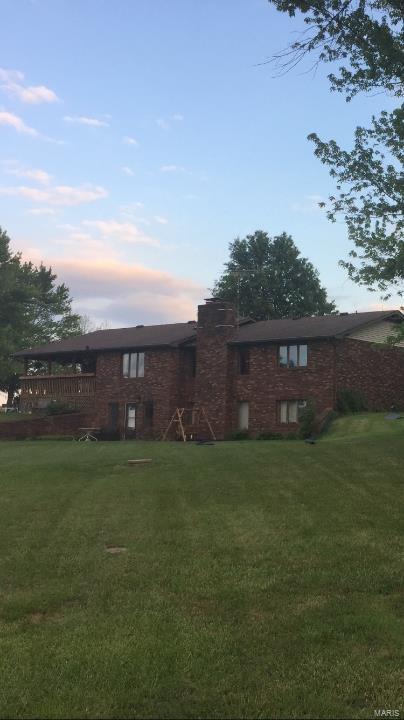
(159, 386)
(214, 372)
(267, 384)
(375, 372)
(34, 427)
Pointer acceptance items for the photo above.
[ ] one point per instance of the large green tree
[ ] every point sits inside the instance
(33, 310)
(366, 39)
(267, 278)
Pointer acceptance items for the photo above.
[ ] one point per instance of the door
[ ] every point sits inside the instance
(130, 421)
(113, 415)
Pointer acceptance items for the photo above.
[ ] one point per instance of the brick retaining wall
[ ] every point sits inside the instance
(37, 426)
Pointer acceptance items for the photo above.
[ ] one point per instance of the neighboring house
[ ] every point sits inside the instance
(246, 375)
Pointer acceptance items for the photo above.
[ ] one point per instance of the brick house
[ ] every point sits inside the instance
(247, 375)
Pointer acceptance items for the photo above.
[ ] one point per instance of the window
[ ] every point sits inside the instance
(244, 361)
(133, 365)
(243, 415)
(293, 356)
(290, 411)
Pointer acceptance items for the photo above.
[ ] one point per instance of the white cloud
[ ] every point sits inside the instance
(161, 220)
(165, 123)
(83, 120)
(127, 171)
(130, 141)
(172, 168)
(130, 209)
(32, 94)
(32, 173)
(41, 211)
(10, 75)
(308, 204)
(121, 231)
(7, 118)
(63, 195)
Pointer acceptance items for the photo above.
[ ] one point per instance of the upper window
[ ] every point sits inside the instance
(244, 361)
(133, 365)
(293, 356)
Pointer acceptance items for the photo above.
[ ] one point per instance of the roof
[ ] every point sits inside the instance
(142, 336)
(174, 335)
(306, 328)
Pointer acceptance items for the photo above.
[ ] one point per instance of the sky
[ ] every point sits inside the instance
(138, 138)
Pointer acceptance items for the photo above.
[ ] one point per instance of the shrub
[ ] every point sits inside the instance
(270, 436)
(350, 401)
(58, 407)
(107, 433)
(239, 435)
(307, 421)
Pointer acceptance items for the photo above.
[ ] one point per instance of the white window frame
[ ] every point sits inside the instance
(135, 362)
(285, 411)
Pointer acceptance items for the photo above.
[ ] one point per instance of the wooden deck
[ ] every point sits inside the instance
(37, 390)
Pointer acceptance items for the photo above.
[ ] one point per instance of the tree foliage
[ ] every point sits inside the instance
(367, 38)
(33, 310)
(267, 278)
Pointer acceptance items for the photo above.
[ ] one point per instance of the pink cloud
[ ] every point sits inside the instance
(63, 195)
(124, 293)
(7, 118)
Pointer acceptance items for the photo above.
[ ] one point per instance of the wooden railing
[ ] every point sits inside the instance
(57, 386)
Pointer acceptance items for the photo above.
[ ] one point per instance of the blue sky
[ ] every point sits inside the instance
(139, 137)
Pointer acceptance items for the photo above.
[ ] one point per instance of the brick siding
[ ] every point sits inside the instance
(169, 381)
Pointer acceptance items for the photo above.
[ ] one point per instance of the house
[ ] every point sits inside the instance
(255, 376)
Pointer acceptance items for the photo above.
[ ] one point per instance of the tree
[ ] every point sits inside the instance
(33, 310)
(267, 278)
(367, 36)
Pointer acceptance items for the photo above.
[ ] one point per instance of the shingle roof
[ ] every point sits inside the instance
(173, 335)
(143, 336)
(322, 326)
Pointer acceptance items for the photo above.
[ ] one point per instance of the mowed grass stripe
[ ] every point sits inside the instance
(260, 578)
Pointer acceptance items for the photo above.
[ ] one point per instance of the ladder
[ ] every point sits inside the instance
(178, 420)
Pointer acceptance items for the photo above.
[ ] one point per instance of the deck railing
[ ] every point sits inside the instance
(60, 387)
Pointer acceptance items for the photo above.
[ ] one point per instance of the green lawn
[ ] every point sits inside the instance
(260, 579)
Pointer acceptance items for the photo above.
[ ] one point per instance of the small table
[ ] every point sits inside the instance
(88, 434)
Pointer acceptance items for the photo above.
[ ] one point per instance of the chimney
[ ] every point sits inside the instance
(216, 326)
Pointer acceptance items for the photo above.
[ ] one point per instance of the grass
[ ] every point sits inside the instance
(260, 579)
(14, 417)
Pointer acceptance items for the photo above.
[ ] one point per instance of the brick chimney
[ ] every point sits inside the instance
(216, 326)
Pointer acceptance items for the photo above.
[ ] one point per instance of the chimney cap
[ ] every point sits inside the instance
(213, 300)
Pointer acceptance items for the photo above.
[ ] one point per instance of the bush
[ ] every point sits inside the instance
(350, 401)
(58, 407)
(107, 433)
(239, 435)
(277, 436)
(307, 421)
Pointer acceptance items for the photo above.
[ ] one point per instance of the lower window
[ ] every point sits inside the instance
(243, 415)
(290, 411)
